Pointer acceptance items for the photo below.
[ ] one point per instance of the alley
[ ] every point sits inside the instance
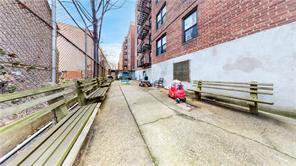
(138, 126)
(141, 82)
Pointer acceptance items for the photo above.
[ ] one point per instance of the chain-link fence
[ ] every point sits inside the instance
(26, 42)
(25, 45)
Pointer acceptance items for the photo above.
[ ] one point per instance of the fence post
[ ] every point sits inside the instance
(98, 82)
(80, 94)
(54, 42)
(253, 95)
(198, 92)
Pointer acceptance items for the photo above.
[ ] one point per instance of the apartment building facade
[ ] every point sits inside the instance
(123, 57)
(251, 40)
(143, 39)
(131, 47)
(127, 57)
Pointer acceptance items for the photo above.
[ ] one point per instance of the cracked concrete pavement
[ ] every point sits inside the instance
(167, 133)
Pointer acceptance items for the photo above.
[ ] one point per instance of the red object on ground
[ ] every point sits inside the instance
(177, 91)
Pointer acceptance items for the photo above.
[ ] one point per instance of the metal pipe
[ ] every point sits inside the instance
(18, 147)
(85, 56)
(54, 42)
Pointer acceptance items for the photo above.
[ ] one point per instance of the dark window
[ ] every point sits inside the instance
(181, 71)
(190, 26)
(160, 18)
(161, 45)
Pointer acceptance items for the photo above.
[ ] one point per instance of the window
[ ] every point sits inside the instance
(160, 18)
(190, 26)
(181, 71)
(161, 45)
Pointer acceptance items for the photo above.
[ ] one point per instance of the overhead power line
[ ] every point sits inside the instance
(46, 23)
(74, 19)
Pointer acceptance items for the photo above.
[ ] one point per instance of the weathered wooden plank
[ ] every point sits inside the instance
(69, 160)
(90, 83)
(238, 90)
(60, 153)
(27, 154)
(234, 97)
(32, 116)
(53, 143)
(237, 86)
(31, 92)
(243, 83)
(11, 138)
(13, 133)
(18, 108)
(86, 81)
(93, 93)
(100, 92)
(89, 88)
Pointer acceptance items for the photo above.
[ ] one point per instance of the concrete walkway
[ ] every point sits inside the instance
(178, 134)
(116, 139)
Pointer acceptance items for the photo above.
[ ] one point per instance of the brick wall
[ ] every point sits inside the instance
(218, 22)
(70, 58)
(127, 56)
(131, 47)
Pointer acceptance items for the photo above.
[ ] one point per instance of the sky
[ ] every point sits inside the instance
(115, 25)
(115, 28)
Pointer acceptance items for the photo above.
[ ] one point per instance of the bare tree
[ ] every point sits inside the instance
(99, 10)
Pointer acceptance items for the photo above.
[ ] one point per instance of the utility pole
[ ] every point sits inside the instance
(54, 42)
(95, 36)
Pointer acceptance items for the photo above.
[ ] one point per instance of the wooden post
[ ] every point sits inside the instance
(60, 112)
(80, 93)
(254, 95)
(98, 82)
(198, 92)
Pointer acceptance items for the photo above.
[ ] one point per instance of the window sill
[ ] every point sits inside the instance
(159, 55)
(158, 28)
(189, 41)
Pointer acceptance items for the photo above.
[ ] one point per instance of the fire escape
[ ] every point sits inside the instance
(144, 33)
(125, 56)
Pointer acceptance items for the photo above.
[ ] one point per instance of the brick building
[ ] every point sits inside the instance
(226, 41)
(131, 47)
(120, 62)
(72, 60)
(123, 57)
(143, 38)
(25, 44)
(127, 58)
